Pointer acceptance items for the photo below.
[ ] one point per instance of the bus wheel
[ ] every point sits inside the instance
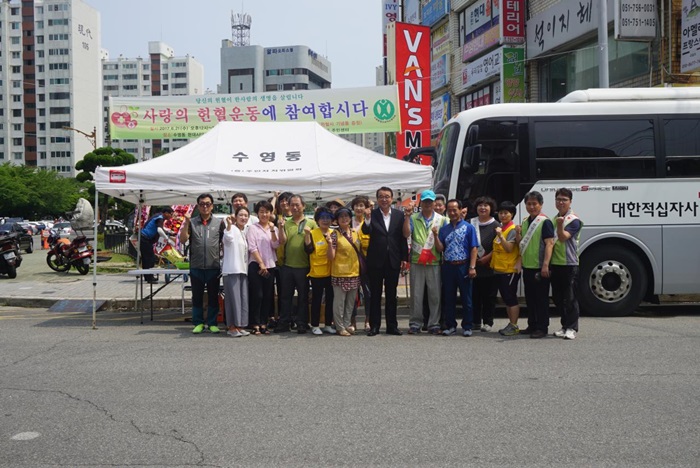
(612, 281)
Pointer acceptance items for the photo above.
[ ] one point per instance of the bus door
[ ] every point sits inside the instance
(498, 175)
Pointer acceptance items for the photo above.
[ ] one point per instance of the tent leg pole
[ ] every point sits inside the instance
(94, 263)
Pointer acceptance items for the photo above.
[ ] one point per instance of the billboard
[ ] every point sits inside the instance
(434, 10)
(690, 37)
(409, 56)
(351, 110)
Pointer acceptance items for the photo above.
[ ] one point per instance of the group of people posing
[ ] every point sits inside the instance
(350, 254)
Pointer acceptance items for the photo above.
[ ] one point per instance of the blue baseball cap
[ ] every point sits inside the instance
(427, 195)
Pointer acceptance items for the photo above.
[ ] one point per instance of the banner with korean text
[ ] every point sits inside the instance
(350, 110)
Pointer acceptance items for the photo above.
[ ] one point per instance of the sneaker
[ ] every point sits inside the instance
(486, 328)
(243, 332)
(234, 333)
(316, 331)
(449, 332)
(527, 331)
(198, 329)
(301, 329)
(214, 329)
(570, 334)
(466, 333)
(343, 333)
(509, 330)
(328, 329)
(560, 333)
(434, 331)
(414, 330)
(537, 334)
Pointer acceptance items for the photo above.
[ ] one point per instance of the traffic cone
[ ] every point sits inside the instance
(45, 239)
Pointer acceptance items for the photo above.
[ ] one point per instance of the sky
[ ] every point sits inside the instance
(348, 33)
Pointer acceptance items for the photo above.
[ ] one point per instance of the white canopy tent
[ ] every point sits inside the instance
(259, 159)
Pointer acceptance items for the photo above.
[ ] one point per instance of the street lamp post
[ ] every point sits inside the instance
(92, 137)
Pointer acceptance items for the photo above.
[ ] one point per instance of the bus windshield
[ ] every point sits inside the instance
(446, 149)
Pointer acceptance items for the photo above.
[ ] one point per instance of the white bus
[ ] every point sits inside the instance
(631, 158)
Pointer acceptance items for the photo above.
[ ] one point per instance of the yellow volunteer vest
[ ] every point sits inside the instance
(502, 261)
(346, 264)
(318, 259)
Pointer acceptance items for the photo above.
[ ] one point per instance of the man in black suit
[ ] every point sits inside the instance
(387, 254)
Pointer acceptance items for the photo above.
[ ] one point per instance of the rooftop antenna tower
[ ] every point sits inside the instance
(240, 29)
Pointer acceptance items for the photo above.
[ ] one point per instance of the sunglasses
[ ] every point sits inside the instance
(205, 204)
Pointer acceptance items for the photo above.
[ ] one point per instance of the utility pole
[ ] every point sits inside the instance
(603, 74)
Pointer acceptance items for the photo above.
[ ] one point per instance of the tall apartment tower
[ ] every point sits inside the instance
(49, 83)
(162, 74)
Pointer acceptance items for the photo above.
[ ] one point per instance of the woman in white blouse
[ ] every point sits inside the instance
(235, 272)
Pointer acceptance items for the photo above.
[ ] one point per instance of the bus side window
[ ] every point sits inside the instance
(682, 141)
(595, 148)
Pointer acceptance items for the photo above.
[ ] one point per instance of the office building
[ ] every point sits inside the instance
(257, 69)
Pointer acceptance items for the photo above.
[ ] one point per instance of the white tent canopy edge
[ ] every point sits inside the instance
(259, 159)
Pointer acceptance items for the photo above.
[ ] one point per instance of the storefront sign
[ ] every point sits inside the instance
(409, 52)
(481, 43)
(439, 72)
(482, 13)
(482, 68)
(390, 13)
(635, 20)
(434, 10)
(411, 11)
(513, 22)
(439, 113)
(441, 40)
(564, 22)
(513, 76)
(690, 36)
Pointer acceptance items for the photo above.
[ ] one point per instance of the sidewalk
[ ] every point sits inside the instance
(117, 290)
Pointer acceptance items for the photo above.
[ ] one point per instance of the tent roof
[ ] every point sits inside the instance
(259, 158)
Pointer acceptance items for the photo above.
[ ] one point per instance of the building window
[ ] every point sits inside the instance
(17, 141)
(131, 77)
(14, 40)
(58, 81)
(165, 87)
(17, 155)
(16, 69)
(42, 155)
(17, 127)
(16, 98)
(578, 69)
(14, 25)
(15, 55)
(16, 112)
(42, 140)
(40, 25)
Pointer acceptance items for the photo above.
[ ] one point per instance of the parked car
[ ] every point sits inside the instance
(63, 229)
(24, 240)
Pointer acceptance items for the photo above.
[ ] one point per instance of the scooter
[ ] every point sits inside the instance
(63, 254)
(10, 259)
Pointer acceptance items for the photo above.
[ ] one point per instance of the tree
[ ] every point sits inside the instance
(36, 193)
(104, 157)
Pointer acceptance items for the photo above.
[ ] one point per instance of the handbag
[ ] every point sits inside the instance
(361, 259)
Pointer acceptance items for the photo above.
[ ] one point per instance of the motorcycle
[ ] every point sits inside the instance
(63, 254)
(10, 259)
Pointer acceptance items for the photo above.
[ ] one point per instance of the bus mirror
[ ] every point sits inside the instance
(471, 158)
(415, 154)
(472, 135)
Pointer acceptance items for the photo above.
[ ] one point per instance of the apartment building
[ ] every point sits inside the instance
(160, 74)
(50, 77)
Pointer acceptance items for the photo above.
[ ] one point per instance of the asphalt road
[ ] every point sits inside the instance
(624, 393)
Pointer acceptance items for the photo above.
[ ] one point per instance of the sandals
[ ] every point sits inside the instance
(256, 330)
(264, 331)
